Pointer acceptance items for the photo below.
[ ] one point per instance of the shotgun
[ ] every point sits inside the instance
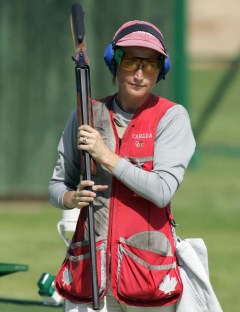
(84, 112)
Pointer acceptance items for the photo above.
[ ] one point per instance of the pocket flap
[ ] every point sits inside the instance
(152, 241)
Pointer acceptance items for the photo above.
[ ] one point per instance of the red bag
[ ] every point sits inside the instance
(146, 275)
(73, 281)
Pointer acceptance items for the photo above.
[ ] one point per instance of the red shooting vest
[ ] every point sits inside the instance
(136, 252)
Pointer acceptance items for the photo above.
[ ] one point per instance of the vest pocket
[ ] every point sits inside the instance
(73, 281)
(144, 272)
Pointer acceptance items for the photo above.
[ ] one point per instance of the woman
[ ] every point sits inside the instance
(142, 145)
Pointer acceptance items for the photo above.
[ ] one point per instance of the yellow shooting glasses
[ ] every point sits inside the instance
(149, 66)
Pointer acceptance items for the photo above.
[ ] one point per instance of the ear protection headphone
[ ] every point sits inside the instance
(110, 49)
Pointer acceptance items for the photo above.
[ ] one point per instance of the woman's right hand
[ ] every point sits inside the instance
(82, 197)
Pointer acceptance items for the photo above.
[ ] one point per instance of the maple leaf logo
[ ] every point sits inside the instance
(67, 277)
(168, 284)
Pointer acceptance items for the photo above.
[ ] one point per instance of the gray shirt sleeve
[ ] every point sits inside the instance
(173, 149)
(66, 174)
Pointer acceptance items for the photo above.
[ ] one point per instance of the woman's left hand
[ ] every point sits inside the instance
(90, 140)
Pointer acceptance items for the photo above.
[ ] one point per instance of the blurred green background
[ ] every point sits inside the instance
(38, 93)
(38, 80)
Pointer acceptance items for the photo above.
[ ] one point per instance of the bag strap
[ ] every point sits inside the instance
(171, 217)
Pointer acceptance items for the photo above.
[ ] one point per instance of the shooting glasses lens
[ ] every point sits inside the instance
(135, 63)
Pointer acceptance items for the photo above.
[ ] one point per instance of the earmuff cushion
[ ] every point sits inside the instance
(109, 58)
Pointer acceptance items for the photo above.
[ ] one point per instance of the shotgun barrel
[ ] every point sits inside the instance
(84, 111)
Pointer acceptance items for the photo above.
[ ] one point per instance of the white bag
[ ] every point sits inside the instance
(198, 294)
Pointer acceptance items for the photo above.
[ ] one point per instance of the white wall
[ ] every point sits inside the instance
(213, 27)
